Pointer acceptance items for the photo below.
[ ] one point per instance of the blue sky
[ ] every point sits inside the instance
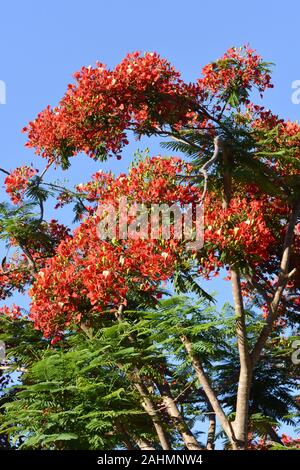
(43, 43)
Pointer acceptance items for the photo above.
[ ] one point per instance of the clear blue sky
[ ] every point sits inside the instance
(43, 42)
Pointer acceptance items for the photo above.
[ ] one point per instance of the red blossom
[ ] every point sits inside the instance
(238, 70)
(142, 92)
(17, 182)
(13, 312)
(88, 275)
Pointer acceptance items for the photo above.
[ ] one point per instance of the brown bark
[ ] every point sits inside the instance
(227, 179)
(211, 396)
(125, 437)
(171, 408)
(247, 360)
(153, 413)
(146, 402)
(283, 278)
(149, 408)
(131, 442)
(240, 423)
(211, 433)
(144, 444)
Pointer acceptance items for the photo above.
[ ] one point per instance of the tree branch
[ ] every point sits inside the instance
(209, 392)
(283, 278)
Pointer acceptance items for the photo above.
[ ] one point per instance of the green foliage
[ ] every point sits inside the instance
(80, 394)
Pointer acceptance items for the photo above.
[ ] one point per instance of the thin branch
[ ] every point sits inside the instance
(40, 177)
(283, 278)
(204, 169)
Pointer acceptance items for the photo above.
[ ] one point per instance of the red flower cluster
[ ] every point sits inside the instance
(243, 231)
(141, 93)
(17, 182)
(238, 70)
(265, 444)
(153, 180)
(89, 275)
(144, 94)
(283, 144)
(13, 312)
(16, 273)
(290, 441)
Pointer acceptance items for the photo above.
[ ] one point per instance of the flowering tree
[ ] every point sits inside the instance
(241, 162)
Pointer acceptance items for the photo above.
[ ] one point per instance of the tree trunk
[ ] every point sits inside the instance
(153, 413)
(125, 437)
(147, 403)
(211, 433)
(283, 278)
(132, 441)
(144, 444)
(188, 438)
(211, 396)
(240, 424)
